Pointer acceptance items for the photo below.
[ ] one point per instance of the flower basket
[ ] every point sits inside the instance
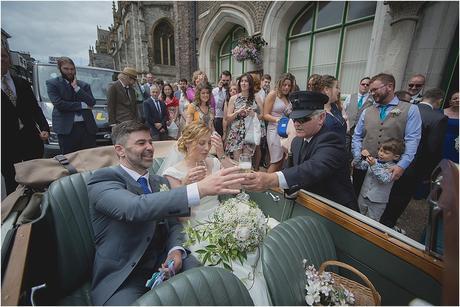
(249, 48)
(364, 296)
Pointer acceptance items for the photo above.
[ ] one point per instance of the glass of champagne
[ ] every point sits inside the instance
(203, 163)
(245, 165)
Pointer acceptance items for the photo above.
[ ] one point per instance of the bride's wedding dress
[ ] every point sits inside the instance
(250, 273)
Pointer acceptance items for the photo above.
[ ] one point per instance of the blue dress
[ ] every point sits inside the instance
(449, 151)
(336, 122)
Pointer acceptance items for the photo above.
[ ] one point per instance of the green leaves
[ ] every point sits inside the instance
(235, 229)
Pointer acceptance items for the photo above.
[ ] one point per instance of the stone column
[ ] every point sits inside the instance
(183, 39)
(394, 28)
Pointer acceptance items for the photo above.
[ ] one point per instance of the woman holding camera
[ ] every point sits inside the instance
(276, 106)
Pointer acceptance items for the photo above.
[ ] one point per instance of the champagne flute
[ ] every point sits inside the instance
(202, 163)
(245, 165)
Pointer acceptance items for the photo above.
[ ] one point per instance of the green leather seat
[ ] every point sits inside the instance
(203, 286)
(67, 209)
(283, 250)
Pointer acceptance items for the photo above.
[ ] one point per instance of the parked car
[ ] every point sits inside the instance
(99, 79)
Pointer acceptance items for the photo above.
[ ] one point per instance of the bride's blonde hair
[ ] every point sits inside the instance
(191, 134)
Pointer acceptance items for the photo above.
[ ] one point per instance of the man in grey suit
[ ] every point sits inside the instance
(73, 120)
(134, 217)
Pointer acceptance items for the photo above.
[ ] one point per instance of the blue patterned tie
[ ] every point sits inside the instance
(383, 109)
(145, 187)
(360, 102)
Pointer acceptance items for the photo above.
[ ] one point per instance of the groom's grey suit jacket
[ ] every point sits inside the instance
(124, 222)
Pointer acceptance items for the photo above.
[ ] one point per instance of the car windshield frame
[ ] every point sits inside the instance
(98, 79)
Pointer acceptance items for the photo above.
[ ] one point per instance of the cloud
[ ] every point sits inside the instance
(55, 28)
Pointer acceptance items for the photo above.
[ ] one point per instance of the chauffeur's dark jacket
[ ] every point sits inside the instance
(322, 168)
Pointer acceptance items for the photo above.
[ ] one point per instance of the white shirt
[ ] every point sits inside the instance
(282, 183)
(219, 98)
(426, 103)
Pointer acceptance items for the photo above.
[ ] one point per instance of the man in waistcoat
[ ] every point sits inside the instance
(388, 118)
(355, 104)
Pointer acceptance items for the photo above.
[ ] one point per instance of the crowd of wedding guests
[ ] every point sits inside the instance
(414, 130)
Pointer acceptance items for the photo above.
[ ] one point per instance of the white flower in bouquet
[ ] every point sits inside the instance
(322, 290)
(235, 229)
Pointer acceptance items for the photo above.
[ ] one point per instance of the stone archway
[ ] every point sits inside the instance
(274, 30)
(226, 18)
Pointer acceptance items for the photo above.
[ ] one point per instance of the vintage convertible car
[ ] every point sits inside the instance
(48, 260)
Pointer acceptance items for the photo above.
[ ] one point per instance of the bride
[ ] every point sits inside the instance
(191, 162)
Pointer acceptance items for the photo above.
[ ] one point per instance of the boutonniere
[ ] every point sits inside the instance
(164, 188)
(395, 112)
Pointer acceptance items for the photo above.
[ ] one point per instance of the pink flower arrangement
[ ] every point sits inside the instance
(249, 48)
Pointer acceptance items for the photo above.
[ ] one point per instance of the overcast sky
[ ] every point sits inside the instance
(55, 28)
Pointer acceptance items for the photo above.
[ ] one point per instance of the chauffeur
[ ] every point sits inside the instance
(319, 159)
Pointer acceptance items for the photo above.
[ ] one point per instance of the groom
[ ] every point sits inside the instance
(135, 227)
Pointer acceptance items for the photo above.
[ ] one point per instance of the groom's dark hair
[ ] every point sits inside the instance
(121, 131)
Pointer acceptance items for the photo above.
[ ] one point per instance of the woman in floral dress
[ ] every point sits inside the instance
(172, 105)
(241, 105)
(200, 110)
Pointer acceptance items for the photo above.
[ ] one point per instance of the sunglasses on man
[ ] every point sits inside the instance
(415, 85)
(364, 84)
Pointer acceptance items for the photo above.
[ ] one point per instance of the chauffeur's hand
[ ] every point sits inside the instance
(260, 181)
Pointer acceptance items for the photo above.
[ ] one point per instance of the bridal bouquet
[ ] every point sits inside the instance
(322, 289)
(249, 48)
(235, 229)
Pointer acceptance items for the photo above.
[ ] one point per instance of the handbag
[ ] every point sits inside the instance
(282, 127)
(252, 129)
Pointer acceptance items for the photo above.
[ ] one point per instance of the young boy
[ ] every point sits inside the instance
(377, 184)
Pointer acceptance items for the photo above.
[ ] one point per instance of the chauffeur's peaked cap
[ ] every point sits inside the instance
(305, 102)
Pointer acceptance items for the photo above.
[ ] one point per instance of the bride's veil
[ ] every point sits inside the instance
(173, 157)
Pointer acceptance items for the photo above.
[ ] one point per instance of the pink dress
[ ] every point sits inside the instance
(273, 139)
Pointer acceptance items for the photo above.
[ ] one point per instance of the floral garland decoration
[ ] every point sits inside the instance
(235, 229)
(322, 290)
(249, 48)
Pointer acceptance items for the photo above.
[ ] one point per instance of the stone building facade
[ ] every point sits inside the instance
(149, 36)
(346, 39)
(99, 56)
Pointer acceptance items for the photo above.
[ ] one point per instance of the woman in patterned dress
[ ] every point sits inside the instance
(241, 105)
(200, 110)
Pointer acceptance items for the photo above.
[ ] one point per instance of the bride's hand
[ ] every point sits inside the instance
(216, 141)
(194, 175)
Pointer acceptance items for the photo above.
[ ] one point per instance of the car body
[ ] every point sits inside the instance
(53, 254)
(99, 79)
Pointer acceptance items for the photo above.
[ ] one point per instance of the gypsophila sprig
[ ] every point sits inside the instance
(321, 289)
(249, 48)
(235, 229)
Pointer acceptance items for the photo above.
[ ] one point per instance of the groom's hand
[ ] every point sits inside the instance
(175, 255)
(259, 181)
(222, 182)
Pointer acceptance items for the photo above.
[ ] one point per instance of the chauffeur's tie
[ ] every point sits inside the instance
(145, 187)
(360, 102)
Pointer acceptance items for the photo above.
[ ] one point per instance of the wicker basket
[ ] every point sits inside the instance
(364, 296)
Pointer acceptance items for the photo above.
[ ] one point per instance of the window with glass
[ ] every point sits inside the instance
(163, 44)
(331, 38)
(225, 60)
